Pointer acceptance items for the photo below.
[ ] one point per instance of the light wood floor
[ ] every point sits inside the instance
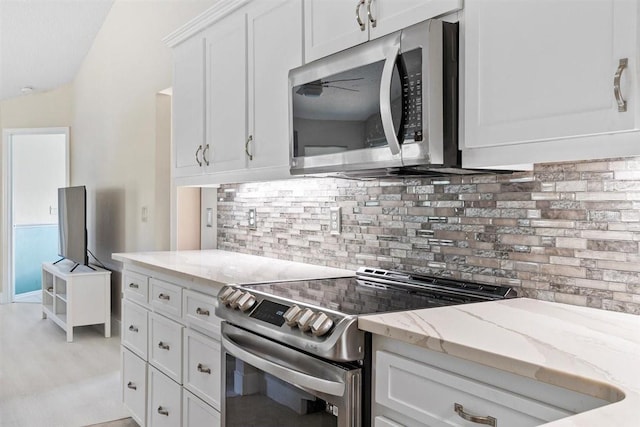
(45, 381)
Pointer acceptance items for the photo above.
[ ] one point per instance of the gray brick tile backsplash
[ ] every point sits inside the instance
(565, 232)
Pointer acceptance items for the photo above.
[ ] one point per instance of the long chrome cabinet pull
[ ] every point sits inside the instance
(204, 154)
(622, 103)
(133, 285)
(133, 328)
(164, 297)
(197, 158)
(489, 421)
(202, 369)
(373, 20)
(246, 147)
(163, 411)
(163, 345)
(358, 18)
(132, 386)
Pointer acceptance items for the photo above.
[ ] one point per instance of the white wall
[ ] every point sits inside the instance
(38, 110)
(114, 149)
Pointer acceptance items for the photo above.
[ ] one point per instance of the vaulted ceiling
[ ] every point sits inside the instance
(43, 42)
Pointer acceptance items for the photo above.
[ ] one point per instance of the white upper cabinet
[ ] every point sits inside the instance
(188, 106)
(226, 93)
(546, 70)
(275, 46)
(335, 25)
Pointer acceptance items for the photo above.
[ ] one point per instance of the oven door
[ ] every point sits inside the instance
(269, 384)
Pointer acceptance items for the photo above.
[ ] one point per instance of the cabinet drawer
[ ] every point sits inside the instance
(202, 367)
(199, 311)
(165, 400)
(165, 346)
(135, 287)
(196, 413)
(134, 385)
(134, 328)
(426, 393)
(165, 297)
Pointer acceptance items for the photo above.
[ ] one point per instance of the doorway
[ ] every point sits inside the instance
(36, 165)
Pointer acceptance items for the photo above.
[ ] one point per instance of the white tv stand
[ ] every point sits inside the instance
(78, 298)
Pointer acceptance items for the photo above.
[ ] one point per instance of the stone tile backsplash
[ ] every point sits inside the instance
(565, 232)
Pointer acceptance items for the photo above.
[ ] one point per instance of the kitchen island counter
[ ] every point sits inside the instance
(223, 267)
(591, 351)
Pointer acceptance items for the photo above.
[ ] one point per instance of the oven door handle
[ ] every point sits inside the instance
(385, 98)
(292, 376)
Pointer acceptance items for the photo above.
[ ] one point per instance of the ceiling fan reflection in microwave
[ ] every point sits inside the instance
(315, 88)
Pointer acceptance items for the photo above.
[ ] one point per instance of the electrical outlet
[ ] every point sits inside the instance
(252, 219)
(335, 220)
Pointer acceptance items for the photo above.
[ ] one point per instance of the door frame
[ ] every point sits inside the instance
(6, 234)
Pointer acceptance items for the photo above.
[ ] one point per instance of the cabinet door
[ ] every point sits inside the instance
(165, 400)
(202, 367)
(394, 15)
(134, 386)
(331, 26)
(544, 69)
(197, 413)
(227, 93)
(274, 48)
(188, 106)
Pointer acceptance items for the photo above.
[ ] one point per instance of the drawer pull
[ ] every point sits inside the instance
(202, 369)
(133, 285)
(133, 328)
(490, 421)
(163, 411)
(163, 345)
(202, 312)
(132, 386)
(164, 297)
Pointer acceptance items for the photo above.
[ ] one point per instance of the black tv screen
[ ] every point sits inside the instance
(72, 224)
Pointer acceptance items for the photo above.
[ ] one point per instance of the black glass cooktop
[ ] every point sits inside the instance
(355, 295)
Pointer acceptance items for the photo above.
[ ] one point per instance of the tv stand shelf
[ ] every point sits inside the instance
(78, 298)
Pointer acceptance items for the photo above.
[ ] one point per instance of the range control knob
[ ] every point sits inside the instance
(321, 324)
(291, 315)
(246, 301)
(232, 301)
(226, 293)
(304, 319)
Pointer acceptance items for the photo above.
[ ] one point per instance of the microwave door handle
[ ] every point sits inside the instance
(385, 99)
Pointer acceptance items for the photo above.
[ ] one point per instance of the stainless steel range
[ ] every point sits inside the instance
(293, 353)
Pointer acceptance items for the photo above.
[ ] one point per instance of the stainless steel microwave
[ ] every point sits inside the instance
(381, 108)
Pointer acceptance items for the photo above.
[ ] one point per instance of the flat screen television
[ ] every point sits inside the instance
(72, 224)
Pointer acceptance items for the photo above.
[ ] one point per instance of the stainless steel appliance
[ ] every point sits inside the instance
(384, 107)
(292, 351)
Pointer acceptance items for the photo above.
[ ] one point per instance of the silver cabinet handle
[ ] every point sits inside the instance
(358, 18)
(163, 345)
(132, 386)
(133, 328)
(373, 20)
(622, 103)
(489, 421)
(164, 297)
(204, 154)
(163, 411)
(246, 147)
(133, 285)
(202, 312)
(202, 369)
(197, 158)
(385, 98)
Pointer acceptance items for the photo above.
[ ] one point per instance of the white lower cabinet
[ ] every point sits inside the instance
(418, 387)
(165, 400)
(196, 413)
(202, 367)
(170, 372)
(134, 385)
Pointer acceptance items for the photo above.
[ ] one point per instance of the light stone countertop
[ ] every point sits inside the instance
(223, 267)
(592, 351)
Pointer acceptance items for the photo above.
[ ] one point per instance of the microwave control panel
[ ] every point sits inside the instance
(411, 66)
